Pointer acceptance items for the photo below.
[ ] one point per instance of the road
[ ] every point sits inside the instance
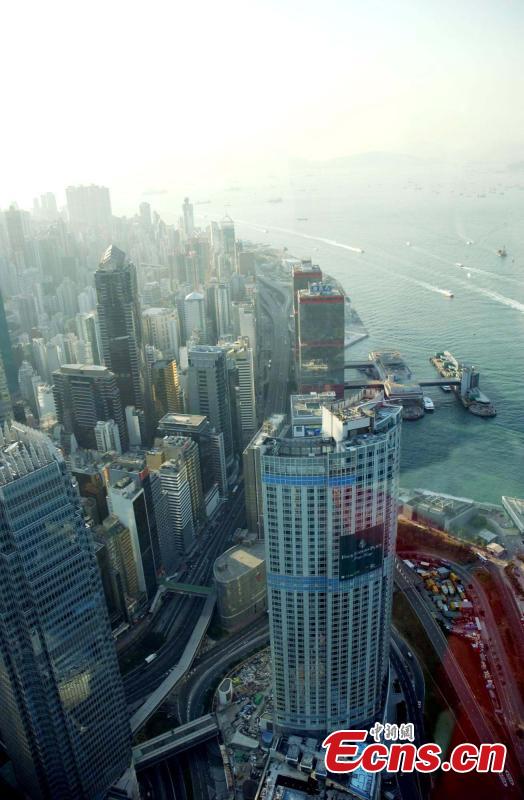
(410, 784)
(190, 695)
(508, 694)
(404, 581)
(143, 680)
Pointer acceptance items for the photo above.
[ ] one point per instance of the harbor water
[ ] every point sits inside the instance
(420, 237)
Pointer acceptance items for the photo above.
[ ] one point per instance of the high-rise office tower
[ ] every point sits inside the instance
(118, 570)
(87, 331)
(208, 390)
(304, 274)
(240, 358)
(210, 444)
(64, 713)
(120, 325)
(195, 317)
(166, 391)
(175, 483)
(162, 330)
(321, 333)
(89, 207)
(85, 394)
(189, 220)
(151, 294)
(218, 302)
(228, 259)
(172, 447)
(6, 351)
(107, 435)
(6, 406)
(330, 520)
(126, 500)
(25, 380)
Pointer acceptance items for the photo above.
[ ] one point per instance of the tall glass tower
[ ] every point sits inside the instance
(64, 714)
(120, 321)
(330, 519)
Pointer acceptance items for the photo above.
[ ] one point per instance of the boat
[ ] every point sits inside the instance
(408, 244)
(302, 219)
(459, 264)
(447, 293)
(502, 253)
(446, 388)
(429, 405)
(275, 200)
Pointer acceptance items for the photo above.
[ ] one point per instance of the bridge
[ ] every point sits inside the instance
(175, 741)
(186, 588)
(155, 700)
(375, 383)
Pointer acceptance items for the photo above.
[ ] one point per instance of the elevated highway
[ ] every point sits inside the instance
(175, 741)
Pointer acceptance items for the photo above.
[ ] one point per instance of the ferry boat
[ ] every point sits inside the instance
(429, 405)
(502, 252)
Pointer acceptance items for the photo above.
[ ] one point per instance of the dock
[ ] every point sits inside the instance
(388, 372)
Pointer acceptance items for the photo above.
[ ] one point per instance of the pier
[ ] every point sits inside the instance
(388, 372)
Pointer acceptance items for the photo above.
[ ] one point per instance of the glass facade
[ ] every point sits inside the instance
(321, 339)
(65, 719)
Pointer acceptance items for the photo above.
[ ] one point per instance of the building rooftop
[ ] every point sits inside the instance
(90, 370)
(320, 290)
(113, 258)
(24, 450)
(194, 296)
(187, 420)
(237, 561)
(158, 311)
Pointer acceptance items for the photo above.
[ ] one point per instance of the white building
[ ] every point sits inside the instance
(195, 316)
(241, 355)
(330, 518)
(107, 436)
(175, 483)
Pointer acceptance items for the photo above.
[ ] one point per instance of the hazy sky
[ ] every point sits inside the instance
(138, 95)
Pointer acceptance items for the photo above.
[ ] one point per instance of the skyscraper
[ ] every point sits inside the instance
(240, 358)
(89, 207)
(195, 317)
(65, 719)
(321, 333)
(84, 395)
(161, 329)
(166, 391)
(175, 483)
(6, 407)
(6, 351)
(218, 302)
(303, 274)
(330, 517)
(210, 445)
(120, 324)
(127, 501)
(189, 221)
(208, 390)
